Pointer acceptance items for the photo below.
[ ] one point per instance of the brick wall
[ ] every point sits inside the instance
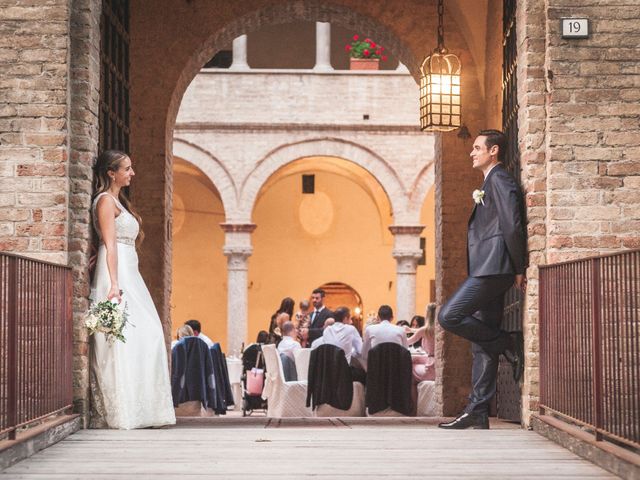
(580, 139)
(84, 89)
(48, 130)
(34, 50)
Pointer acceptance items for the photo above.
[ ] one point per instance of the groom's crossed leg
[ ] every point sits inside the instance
(475, 312)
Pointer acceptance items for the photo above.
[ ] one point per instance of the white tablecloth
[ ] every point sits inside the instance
(234, 366)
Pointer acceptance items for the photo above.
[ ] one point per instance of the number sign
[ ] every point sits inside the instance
(575, 28)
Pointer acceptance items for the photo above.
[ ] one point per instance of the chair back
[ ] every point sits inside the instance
(192, 376)
(302, 357)
(389, 376)
(272, 362)
(330, 380)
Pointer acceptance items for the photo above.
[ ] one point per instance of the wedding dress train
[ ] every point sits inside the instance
(131, 386)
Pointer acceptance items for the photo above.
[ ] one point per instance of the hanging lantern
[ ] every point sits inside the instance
(440, 108)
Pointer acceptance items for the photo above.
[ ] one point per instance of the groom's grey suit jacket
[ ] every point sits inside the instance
(496, 239)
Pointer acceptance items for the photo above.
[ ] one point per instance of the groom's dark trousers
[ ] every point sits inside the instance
(496, 252)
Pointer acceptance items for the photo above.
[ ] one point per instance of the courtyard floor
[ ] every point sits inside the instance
(236, 448)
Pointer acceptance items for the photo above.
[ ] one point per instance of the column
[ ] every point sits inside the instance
(407, 253)
(323, 47)
(237, 249)
(239, 54)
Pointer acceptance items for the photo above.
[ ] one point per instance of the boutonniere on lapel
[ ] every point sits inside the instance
(478, 196)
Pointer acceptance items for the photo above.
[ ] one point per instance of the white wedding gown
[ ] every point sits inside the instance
(130, 385)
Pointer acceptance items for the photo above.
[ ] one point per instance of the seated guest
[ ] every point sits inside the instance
(263, 337)
(197, 331)
(346, 337)
(343, 335)
(402, 323)
(416, 322)
(424, 367)
(320, 340)
(383, 332)
(289, 343)
(183, 331)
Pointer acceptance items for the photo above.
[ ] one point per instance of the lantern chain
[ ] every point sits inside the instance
(441, 26)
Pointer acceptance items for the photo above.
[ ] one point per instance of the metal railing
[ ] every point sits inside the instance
(590, 344)
(35, 341)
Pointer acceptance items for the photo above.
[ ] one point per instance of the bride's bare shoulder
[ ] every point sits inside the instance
(105, 203)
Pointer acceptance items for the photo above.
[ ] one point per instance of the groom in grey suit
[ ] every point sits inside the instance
(496, 260)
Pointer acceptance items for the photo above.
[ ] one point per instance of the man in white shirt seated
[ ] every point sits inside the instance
(289, 344)
(197, 331)
(383, 332)
(343, 335)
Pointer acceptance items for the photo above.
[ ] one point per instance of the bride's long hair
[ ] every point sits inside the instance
(109, 161)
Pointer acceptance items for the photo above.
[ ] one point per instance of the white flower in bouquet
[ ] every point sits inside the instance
(108, 318)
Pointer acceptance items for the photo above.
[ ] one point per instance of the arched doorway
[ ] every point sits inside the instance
(338, 294)
(337, 230)
(156, 104)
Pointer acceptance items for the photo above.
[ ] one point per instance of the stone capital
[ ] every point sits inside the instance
(407, 260)
(406, 229)
(237, 256)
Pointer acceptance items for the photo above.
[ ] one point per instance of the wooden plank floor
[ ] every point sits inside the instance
(371, 450)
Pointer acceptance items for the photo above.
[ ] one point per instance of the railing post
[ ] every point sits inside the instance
(12, 364)
(596, 346)
(542, 329)
(67, 352)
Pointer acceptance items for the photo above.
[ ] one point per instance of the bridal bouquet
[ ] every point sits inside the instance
(108, 318)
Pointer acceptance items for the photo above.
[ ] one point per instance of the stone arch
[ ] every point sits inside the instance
(374, 164)
(422, 183)
(300, 10)
(213, 169)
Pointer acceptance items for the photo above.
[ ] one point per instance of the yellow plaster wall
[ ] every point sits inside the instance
(288, 260)
(199, 288)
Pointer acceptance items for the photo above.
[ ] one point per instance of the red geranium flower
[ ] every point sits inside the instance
(356, 37)
(367, 40)
(381, 48)
(366, 52)
(373, 44)
(378, 52)
(347, 48)
(384, 57)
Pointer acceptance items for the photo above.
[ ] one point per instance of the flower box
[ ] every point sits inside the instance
(364, 63)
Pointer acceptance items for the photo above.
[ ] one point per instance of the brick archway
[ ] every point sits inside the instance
(168, 55)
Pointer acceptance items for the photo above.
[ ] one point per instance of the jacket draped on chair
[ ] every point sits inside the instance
(330, 380)
(192, 373)
(389, 375)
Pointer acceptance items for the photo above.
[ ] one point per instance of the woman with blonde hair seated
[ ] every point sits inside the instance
(183, 331)
(424, 366)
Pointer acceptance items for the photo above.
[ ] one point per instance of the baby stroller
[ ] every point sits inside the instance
(252, 357)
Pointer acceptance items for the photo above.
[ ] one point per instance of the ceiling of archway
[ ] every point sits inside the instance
(338, 166)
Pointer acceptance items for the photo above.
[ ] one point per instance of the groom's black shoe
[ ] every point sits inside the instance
(515, 355)
(468, 420)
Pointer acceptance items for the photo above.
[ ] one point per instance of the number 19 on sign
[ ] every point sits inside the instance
(575, 28)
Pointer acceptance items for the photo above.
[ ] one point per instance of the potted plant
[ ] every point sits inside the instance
(365, 54)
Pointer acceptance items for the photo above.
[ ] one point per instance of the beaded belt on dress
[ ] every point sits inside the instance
(125, 241)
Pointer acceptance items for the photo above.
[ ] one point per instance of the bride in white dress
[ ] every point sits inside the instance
(131, 387)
